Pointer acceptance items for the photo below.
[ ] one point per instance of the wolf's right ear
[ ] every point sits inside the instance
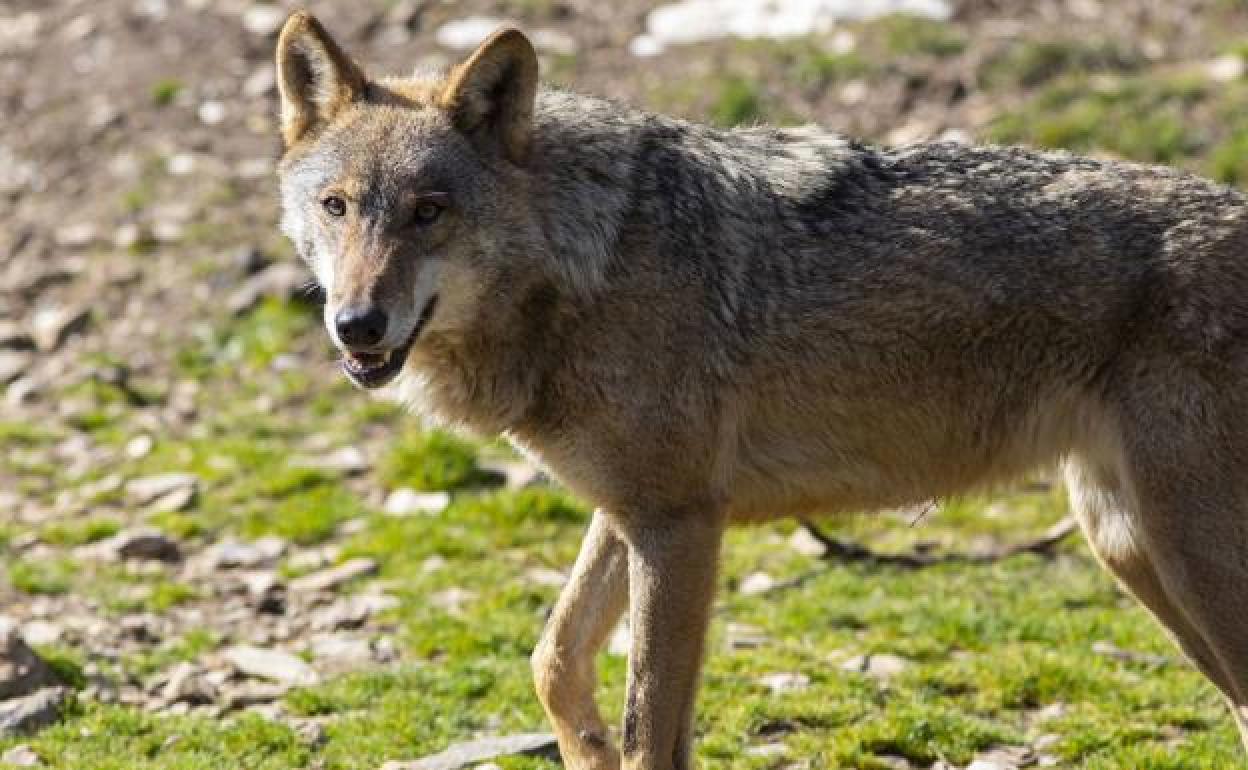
(492, 93)
(316, 78)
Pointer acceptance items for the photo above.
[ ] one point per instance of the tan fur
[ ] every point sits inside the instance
(693, 328)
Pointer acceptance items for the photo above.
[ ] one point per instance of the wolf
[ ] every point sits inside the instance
(694, 327)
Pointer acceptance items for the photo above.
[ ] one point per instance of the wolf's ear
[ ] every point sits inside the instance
(316, 78)
(492, 93)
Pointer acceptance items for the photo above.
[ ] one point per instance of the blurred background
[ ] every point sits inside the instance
(214, 553)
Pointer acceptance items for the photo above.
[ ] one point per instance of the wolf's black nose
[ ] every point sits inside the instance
(361, 326)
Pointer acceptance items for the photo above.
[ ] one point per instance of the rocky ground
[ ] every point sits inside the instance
(215, 553)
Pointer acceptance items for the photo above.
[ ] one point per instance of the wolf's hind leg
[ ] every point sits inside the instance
(563, 663)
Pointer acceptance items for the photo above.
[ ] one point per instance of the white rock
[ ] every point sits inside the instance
(463, 34)
(463, 755)
(332, 578)
(693, 21)
(262, 82)
(263, 20)
(645, 46)
(146, 489)
(756, 583)
(211, 112)
(881, 666)
(139, 446)
(785, 682)
(405, 501)
(20, 755)
(51, 325)
(805, 543)
(270, 664)
(1225, 69)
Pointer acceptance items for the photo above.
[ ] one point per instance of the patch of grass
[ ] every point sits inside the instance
(80, 532)
(165, 91)
(186, 648)
(45, 576)
(906, 34)
(1033, 63)
(1136, 118)
(737, 102)
(432, 460)
(66, 662)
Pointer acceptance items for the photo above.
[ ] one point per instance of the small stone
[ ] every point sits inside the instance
(806, 543)
(880, 666)
(273, 665)
(251, 694)
(31, 712)
(310, 732)
(463, 34)
(187, 684)
(76, 235)
(41, 632)
(22, 671)
(263, 20)
(20, 755)
(341, 650)
(352, 611)
(180, 164)
(544, 576)
(1225, 69)
(756, 583)
(620, 642)
(140, 544)
(1110, 650)
(554, 41)
(211, 112)
(14, 336)
(463, 755)
(51, 326)
(13, 364)
(260, 83)
(781, 683)
(229, 554)
(740, 636)
(766, 750)
(405, 501)
(140, 446)
(172, 501)
(1003, 758)
(347, 460)
(332, 578)
(147, 489)
(281, 279)
(645, 46)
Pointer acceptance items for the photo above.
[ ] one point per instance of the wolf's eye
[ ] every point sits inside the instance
(334, 206)
(426, 213)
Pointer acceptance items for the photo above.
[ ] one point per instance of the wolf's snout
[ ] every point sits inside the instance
(361, 326)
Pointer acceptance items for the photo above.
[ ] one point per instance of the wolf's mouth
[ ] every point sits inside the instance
(375, 369)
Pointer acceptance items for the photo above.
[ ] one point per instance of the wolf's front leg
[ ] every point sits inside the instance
(671, 574)
(563, 663)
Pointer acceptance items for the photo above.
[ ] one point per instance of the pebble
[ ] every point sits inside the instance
(31, 712)
(879, 666)
(13, 364)
(467, 33)
(147, 489)
(270, 664)
(333, 577)
(22, 671)
(807, 544)
(20, 755)
(405, 501)
(756, 583)
(473, 752)
(139, 543)
(186, 683)
(211, 112)
(264, 20)
(50, 326)
(780, 683)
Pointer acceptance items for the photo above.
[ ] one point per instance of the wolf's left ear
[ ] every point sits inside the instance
(492, 93)
(316, 78)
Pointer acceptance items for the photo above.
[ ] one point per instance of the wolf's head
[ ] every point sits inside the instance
(406, 197)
